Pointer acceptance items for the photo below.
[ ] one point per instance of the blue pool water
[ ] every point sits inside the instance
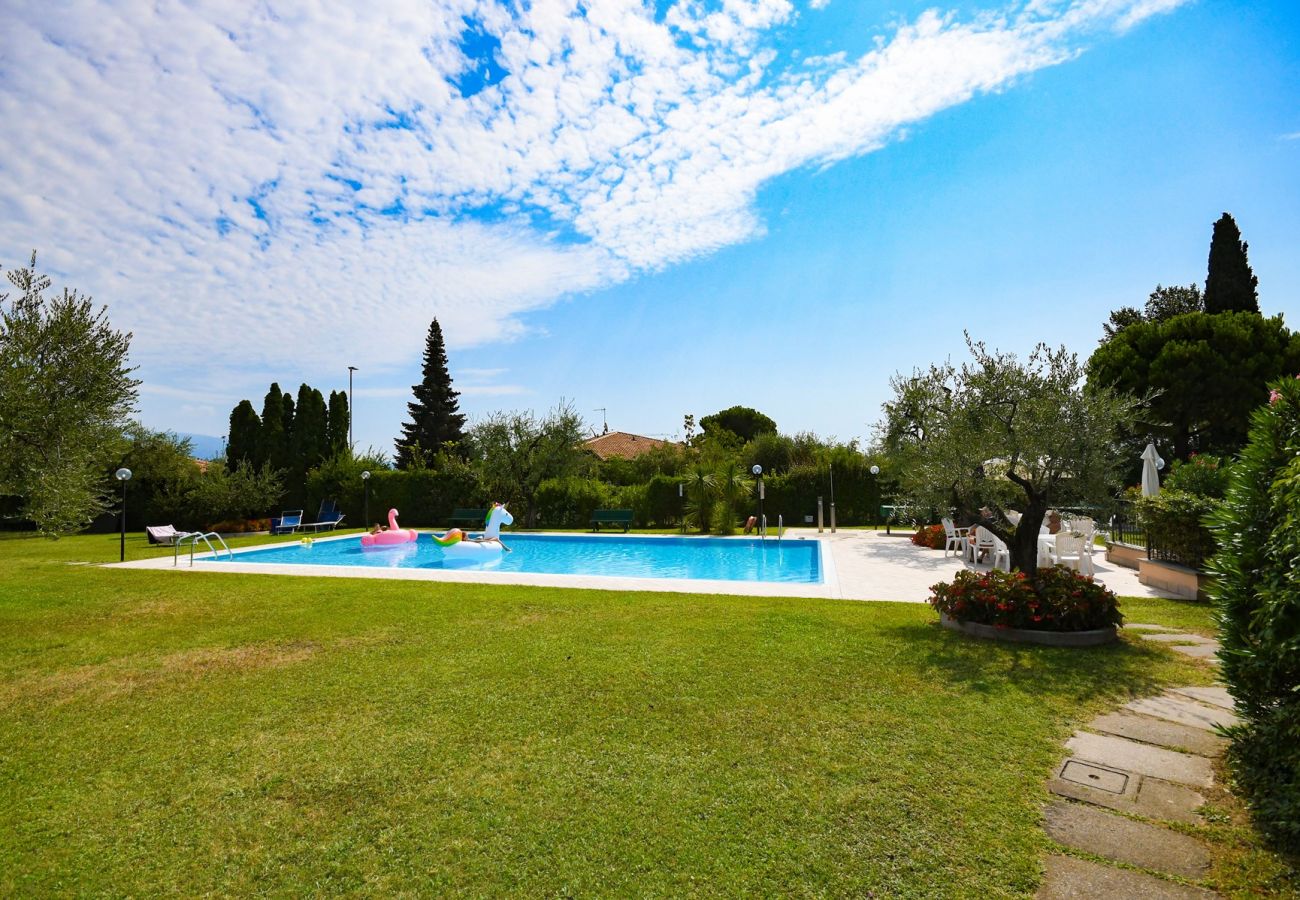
(791, 561)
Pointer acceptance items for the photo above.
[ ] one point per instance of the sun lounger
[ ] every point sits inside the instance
(328, 518)
(164, 535)
(287, 523)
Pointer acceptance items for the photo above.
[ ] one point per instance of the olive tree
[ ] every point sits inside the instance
(517, 451)
(997, 434)
(65, 393)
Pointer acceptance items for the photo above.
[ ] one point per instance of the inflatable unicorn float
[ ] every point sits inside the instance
(456, 544)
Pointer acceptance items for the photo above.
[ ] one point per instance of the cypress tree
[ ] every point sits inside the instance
(1230, 285)
(339, 420)
(435, 415)
(273, 446)
(245, 436)
(310, 441)
(286, 460)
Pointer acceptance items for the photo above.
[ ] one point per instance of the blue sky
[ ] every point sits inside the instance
(658, 211)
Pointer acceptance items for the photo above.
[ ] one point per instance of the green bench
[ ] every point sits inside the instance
(474, 518)
(611, 517)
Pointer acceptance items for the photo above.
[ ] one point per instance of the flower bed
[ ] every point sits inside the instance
(1059, 599)
(932, 536)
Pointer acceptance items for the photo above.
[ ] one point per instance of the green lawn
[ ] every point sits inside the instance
(198, 732)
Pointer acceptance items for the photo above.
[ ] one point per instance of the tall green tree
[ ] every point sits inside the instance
(310, 438)
(273, 449)
(435, 413)
(742, 421)
(998, 434)
(1230, 284)
(1163, 303)
(339, 421)
(245, 435)
(1200, 374)
(66, 390)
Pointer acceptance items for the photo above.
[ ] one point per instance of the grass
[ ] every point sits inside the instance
(221, 733)
(1193, 616)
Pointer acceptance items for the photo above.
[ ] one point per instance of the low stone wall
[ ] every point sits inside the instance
(1173, 579)
(1027, 636)
(1126, 555)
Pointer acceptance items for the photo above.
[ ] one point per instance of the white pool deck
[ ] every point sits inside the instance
(856, 565)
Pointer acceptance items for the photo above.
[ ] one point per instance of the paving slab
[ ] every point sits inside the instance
(1215, 696)
(1197, 651)
(1146, 626)
(1183, 711)
(1178, 638)
(1160, 732)
(1123, 840)
(1126, 792)
(1143, 759)
(1076, 879)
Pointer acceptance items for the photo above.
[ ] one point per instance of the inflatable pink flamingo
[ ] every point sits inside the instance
(393, 537)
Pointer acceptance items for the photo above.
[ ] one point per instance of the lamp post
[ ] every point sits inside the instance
(123, 475)
(681, 503)
(351, 369)
(830, 467)
(875, 514)
(762, 524)
(365, 498)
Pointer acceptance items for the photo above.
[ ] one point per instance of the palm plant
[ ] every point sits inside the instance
(701, 491)
(733, 487)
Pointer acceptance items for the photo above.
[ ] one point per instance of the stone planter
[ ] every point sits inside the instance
(1093, 638)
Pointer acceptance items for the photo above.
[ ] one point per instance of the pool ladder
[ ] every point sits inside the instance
(780, 527)
(194, 540)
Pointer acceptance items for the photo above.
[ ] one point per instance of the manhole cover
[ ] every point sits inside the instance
(1094, 776)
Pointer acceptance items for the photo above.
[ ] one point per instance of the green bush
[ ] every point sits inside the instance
(569, 502)
(221, 496)
(662, 504)
(1257, 598)
(1176, 523)
(1058, 599)
(1203, 474)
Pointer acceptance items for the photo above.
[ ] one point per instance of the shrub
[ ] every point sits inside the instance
(1059, 599)
(932, 536)
(1257, 598)
(569, 502)
(1203, 474)
(1175, 522)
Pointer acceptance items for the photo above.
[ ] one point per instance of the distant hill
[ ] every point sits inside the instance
(206, 446)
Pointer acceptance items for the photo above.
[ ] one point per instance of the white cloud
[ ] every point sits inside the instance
(219, 172)
(1293, 136)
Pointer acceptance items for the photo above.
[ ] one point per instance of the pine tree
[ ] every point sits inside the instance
(339, 420)
(245, 436)
(435, 415)
(273, 447)
(1230, 285)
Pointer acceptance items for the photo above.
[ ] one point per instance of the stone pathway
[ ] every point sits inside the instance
(1129, 774)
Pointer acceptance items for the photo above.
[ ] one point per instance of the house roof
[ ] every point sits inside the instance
(621, 443)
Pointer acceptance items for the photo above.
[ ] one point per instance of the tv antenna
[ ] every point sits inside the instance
(603, 421)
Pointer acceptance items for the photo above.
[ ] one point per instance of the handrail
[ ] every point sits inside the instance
(780, 526)
(194, 541)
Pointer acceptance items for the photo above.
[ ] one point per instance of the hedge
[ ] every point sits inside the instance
(1257, 597)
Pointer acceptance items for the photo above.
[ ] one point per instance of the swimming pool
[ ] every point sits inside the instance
(718, 559)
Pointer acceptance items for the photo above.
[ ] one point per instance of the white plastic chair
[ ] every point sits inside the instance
(954, 540)
(1001, 553)
(985, 543)
(1071, 551)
